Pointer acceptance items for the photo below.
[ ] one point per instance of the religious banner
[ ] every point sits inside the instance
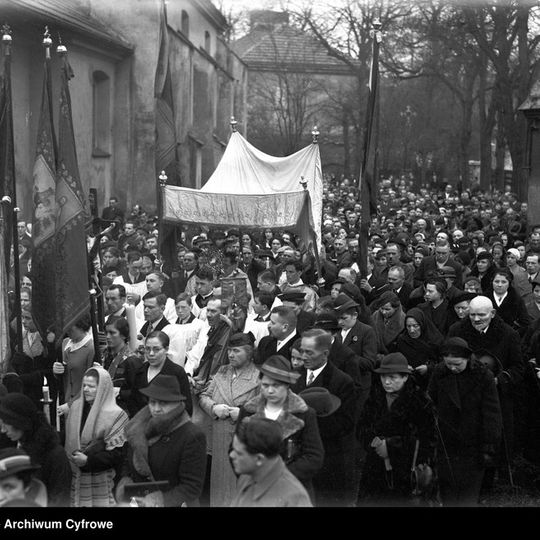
(71, 251)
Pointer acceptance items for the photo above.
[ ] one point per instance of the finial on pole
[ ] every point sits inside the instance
(303, 182)
(163, 179)
(47, 42)
(377, 25)
(61, 49)
(233, 124)
(6, 38)
(6, 33)
(315, 134)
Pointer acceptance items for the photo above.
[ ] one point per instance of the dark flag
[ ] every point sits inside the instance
(7, 156)
(44, 212)
(72, 295)
(368, 171)
(166, 142)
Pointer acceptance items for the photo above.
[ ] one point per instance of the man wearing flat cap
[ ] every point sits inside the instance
(295, 301)
(361, 339)
(470, 422)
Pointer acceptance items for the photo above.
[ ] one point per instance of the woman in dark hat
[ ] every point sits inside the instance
(484, 270)
(27, 427)
(302, 446)
(458, 307)
(397, 431)
(231, 387)
(469, 418)
(419, 342)
(165, 445)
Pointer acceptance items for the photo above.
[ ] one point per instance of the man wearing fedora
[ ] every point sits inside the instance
(282, 334)
(334, 483)
(295, 301)
(361, 339)
(264, 480)
(164, 445)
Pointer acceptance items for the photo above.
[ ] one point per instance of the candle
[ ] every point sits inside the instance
(46, 395)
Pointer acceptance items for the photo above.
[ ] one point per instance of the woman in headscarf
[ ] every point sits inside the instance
(95, 440)
(388, 320)
(230, 388)
(419, 342)
(521, 279)
(302, 448)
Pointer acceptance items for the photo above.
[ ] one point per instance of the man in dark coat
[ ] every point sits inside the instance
(154, 307)
(282, 334)
(334, 483)
(164, 445)
(361, 339)
(433, 263)
(469, 419)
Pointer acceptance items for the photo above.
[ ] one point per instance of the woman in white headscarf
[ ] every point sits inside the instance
(521, 279)
(94, 440)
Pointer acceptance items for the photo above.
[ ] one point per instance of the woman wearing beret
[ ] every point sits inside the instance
(230, 388)
(95, 440)
(398, 433)
(27, 426)
(302, 451)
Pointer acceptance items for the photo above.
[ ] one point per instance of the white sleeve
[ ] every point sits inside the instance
(193, 357)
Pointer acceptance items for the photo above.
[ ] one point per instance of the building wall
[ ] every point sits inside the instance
(208, 89)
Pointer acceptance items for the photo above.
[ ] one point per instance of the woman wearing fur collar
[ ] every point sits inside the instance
(95, 440)
(164, 445)
(302, 450)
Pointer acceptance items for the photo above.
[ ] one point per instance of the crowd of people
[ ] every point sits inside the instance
(308, 383)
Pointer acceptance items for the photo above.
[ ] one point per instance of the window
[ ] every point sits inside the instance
(101, 114)
(207, 42)
(195, 157)
(185, 23)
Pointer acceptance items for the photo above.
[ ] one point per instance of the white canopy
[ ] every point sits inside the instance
(252, 189)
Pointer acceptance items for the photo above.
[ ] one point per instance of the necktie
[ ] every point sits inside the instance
(310, 379)
(150, 329)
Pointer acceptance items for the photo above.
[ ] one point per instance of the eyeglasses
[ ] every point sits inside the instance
(155, 350)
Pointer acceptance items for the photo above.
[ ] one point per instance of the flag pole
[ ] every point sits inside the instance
(366, 187)
(7, 41)
(161, 183)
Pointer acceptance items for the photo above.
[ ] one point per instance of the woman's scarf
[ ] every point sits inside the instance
(105, 421)
(144, 430)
